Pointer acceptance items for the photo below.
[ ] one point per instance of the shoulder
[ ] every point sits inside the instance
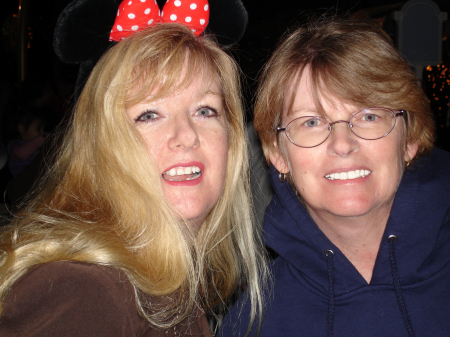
(430, 174)
(59, 298)
(77, 279)
(437, 161)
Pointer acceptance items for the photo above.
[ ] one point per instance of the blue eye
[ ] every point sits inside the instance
(370, 117)
(206, 112)
(147, 116)
(312, 122)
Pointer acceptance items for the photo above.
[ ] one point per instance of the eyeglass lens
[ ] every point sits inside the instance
(371, 123)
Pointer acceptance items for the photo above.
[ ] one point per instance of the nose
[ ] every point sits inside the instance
(184, 134)
(342, 140)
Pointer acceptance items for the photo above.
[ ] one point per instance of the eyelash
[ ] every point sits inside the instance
(149, 112)
(215, 113)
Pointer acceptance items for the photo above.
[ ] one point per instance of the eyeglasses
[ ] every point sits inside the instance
(369, 124)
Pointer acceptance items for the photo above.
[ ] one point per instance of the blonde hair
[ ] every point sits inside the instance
(101, 202)
(354, 61)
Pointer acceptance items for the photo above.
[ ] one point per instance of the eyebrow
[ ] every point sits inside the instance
(300, 110)
(210, 92)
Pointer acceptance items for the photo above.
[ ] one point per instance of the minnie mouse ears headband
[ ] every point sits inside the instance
(84, 28)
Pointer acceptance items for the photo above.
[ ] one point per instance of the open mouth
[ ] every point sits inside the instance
(182, 173)
(348, 175)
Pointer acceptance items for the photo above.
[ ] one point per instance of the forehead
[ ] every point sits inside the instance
(301, 86)
(200, 80)
(195, 88)
(299, 94)
(305, 95)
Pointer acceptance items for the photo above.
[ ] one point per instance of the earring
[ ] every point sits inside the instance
(407, 164)
(282, 177)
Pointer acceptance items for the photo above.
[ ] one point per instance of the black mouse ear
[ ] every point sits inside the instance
(227, 21)
(82, 30)
(84, 71)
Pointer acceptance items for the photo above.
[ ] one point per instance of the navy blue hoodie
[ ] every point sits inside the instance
(318, 295)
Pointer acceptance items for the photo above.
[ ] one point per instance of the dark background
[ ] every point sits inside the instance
(268, 20)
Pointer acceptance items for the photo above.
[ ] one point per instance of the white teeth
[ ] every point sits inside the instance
(182, 170)
(348, 175)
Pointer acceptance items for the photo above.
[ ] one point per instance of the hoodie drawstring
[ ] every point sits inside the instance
(392, 239)
(330, 266)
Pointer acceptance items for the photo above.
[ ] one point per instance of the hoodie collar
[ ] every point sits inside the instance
(416, 218)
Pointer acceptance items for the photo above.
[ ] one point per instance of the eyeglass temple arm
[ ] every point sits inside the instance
(280, 129)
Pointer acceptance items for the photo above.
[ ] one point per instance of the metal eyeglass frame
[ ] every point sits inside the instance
(350, 126)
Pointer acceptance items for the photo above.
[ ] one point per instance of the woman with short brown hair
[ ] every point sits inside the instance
(360, 216)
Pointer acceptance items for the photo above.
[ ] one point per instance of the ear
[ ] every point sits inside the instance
(277, 160)
(411, 151)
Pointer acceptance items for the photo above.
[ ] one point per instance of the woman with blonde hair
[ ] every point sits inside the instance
(143, 224)
(360, 215)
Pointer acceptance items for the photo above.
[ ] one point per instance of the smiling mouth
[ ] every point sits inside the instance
(348, 175)
(182, 173)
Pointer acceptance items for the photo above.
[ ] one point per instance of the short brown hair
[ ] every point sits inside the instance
(353, 60)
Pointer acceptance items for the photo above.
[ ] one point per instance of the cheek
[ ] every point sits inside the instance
(303, 163)
(302, 176)
(155, 145)
(220, 148)
(218, 156)
(391, 153)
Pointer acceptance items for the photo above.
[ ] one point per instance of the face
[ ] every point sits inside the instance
(35, 129)
(186, 134)
(343, 152)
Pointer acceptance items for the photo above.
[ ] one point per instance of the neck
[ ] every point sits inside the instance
(358, 237)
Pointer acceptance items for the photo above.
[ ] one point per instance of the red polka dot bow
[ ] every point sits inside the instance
(135, 15)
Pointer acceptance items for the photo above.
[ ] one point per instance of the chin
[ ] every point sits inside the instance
(195, 218)
(352, 208)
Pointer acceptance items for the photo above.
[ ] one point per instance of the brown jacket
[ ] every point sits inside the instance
(76, 299)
